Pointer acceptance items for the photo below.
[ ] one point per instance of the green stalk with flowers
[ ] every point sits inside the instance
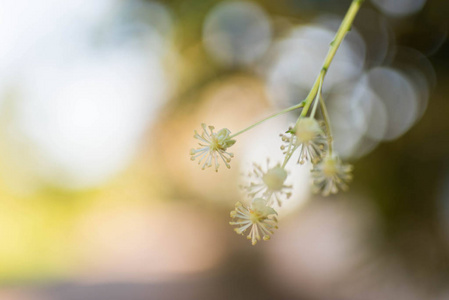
(314, 144)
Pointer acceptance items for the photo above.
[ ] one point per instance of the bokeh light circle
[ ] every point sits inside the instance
(237, 33)
(399, 8)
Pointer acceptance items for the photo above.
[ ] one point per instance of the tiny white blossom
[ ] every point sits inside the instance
(213, 146)
(268, 183)
(330, 175)
(258, 216)
(309, 138)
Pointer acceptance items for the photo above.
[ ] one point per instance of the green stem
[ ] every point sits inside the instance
(309, 99)
(330, 139)
(339, 36)
(318, 95)
(288, 154)
(268, 118)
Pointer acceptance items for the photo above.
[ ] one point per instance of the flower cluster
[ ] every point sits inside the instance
(212, 146)
(258, 217)
(330, 175)
(267, 186)
(308, 137)
(268, 183)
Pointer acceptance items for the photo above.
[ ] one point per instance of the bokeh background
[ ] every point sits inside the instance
(98, 103)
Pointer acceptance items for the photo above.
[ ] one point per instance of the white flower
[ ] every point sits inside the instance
(213, 145)
(330, 175)
(309, 138)
(268, 183)
(258, 216)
